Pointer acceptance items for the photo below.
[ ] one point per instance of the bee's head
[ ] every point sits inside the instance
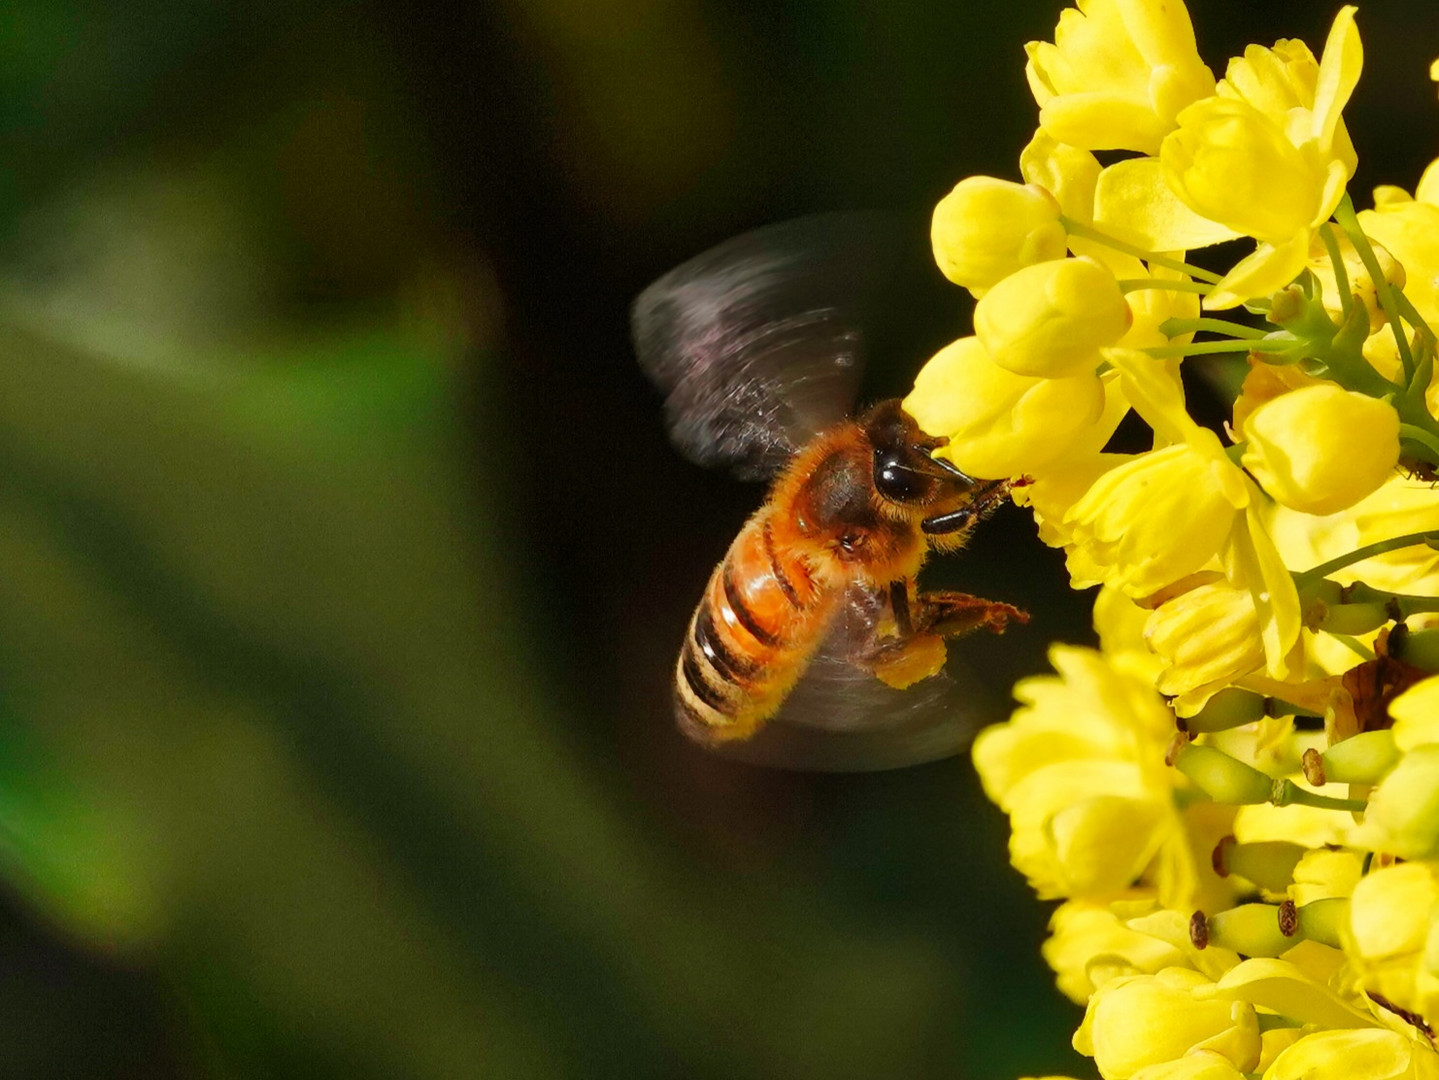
(904, 471)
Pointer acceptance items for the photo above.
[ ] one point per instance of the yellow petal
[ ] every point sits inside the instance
(1339, 70)
(1268, 270)
(1283, 988)
(1133, 201)
(1344, 1055)
(1320, 449)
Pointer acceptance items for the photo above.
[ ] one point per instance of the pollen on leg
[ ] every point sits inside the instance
(917, 658)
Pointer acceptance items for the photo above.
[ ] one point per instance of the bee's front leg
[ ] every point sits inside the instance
(923, 621)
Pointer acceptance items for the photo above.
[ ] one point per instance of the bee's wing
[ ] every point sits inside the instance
(757, 343)
(840, 718)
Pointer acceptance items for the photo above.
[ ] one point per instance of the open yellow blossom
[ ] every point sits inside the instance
(1000, 424)
(1162, 516)
(1393, 935)
(1120, 624)
(1080, 770)
(1321, 449)
(1117, 74)
(1403, 814)
(1050, 320)
(1089, 944)
(1408, 228)
(1159, 517)
(1416, 715)
(986, 229)
(1148, 1020)
(1268, 155)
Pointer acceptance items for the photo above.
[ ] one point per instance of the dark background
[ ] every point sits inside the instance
(344, 558)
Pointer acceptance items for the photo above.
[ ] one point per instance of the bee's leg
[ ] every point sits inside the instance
(899, 604)
(949, 614)
(987, 499)
(922, 624)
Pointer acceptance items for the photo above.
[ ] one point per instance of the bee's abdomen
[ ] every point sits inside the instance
(760, 619)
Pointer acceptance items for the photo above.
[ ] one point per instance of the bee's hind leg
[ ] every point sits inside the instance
(922, 623)
(949, 614)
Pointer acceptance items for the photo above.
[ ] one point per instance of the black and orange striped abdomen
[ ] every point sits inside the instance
(760, 620)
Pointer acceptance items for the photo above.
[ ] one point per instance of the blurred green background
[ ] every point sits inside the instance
(345, 558)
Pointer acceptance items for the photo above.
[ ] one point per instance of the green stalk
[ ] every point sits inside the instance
(1201, 348)
(1288, 793)
(1129, 285)
(1349, 221)
(1174, 327)
(1411, 313)
(1341, 272)
(1423, 438)
(1088, 232)
(1368, 551)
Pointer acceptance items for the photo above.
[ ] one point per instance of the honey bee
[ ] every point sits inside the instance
(811, 645)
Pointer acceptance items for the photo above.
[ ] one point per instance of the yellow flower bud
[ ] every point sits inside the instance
(1147, 1020)
(1000, 424)
(986, 229)
(1208, 637)
(1403, 814)
(1050, 320)
(1321, 449)
(1230, 163)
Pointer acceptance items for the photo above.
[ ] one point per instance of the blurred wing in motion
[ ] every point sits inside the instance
(840, 718)
(757, 343)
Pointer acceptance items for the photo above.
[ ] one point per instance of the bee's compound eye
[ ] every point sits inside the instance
(895, 480)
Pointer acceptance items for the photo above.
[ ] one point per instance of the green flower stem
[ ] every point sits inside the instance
(1425, 439)
(1174, 327)
(1411, 313)
(1349, 221)
(1235, 453)
(1200, 348)
(1341, 273)
(1399, 605)
(1129, 285)
(1088, 232)
(1288, 793)
(1368, 551)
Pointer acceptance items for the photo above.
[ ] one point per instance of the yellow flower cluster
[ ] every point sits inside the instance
(1236, 797)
